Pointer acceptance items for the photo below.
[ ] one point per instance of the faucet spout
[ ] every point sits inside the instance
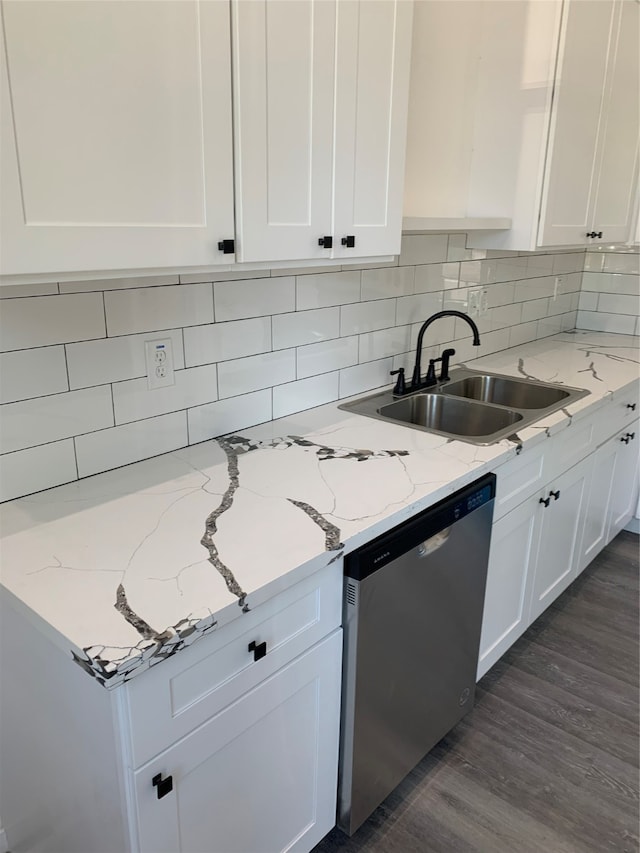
(416, 380)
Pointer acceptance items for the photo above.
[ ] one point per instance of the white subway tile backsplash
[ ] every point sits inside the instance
(383, 283)
(134, 401)
(229, 415)
(46, 419)
(628, 263)
(115, 359)
(364, 377)
(121, 445)
(522, 334)
(386, 342)
(534, 309)
(117, 283)
(614, 303)
(277, 343)
(304, 394)
(238, 300)
(157, 308)
(32, 373)
(433, 277)
(258, 371)
(323, 291)
(37, 468)
(415, 309)
(326, 356)
(423, 249)
(38, 321)
(367, 316)
(305, 327)
(224, 341)
(611, 283)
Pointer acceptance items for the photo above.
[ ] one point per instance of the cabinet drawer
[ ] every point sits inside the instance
(573, 444)
(518, 479)
(624, 409)
(169, 701)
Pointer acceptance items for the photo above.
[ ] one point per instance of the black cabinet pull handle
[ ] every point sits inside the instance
(626, 438)
(545, 501)
(325, 242)
(228, 247)
(597, 234)
(554, 495)
(631, 406)
(259, 650)
(349, 241)
(163, 786)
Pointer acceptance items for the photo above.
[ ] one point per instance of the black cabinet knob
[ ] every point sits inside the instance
(631, 406)
(163, 786)
(545, 501)
(259, 649)
(625, 438)
(349, 241)
(597, 234)
(228, 247)
(326, 242)
(554, 495)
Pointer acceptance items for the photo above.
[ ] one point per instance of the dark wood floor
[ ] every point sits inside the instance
(547, 762)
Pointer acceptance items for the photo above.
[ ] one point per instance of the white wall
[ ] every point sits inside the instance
(73, 392)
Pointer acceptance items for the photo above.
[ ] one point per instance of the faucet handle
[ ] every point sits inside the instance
(444, 373)
(400, 386)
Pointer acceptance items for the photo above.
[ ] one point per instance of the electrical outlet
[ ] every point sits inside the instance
(473, 303)
(483, 303)
(560, 281)
(159, 359)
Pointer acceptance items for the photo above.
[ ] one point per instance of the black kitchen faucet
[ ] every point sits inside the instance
(417, 382)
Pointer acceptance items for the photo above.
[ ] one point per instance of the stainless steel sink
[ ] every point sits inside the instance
(507, 392)
(451, 415)
(479, 408)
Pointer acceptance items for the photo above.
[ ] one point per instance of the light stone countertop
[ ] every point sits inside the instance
(123, 569)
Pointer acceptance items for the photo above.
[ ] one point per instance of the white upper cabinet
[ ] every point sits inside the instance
(321, 93)
(537, 121)
(116, 135)
(284, 75)
(593, 142)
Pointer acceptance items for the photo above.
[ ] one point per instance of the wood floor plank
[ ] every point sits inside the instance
(547, 762)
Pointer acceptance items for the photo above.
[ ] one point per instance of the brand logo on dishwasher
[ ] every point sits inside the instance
(382, 556)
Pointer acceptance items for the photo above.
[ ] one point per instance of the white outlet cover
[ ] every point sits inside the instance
(159, 360)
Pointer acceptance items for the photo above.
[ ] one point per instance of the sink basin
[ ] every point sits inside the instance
(480, 408)
(507, 392)
(450, 415)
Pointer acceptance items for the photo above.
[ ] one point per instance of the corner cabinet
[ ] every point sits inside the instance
(229, 745)
(116, 139)
(320, 114)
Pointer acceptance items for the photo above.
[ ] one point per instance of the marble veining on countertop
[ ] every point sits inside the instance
(124, 569)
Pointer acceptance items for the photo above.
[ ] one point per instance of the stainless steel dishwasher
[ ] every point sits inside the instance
(413, 601)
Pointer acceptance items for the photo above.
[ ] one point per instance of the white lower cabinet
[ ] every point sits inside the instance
(624, 488)
(561, 517)
(543, 543)
(514, 545)
(259, 776)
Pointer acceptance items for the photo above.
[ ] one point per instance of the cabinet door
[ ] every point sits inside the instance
(283, 61)
(514, 547)
(570, 171)
(561, 525)
(372, 93)
(618, 147)
(624, 487)
(116, 135)
(596, 511)
(259, 776)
